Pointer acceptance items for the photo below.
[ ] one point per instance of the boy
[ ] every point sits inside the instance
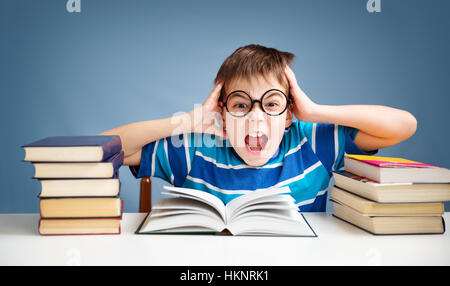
(258, 145)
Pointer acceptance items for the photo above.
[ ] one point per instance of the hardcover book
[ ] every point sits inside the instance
(105, 169)
(394, 170)
(83, 226)
(73, 149)
(392, 192)
(262, 212)
(81, 207)
(371, 208)
(390, 224)
(80, 188)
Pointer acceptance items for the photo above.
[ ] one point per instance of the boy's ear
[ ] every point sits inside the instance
(289, 116)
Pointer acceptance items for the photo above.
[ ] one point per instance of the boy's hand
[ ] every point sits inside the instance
(304, 108)
(202, 117)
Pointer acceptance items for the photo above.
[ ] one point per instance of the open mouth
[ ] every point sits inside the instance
(256, 141)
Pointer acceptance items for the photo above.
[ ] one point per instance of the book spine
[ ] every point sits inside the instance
(117, 161)
(111, 148)
(106, 233)
(60, 234)
(84, 217)
(76, 197)
(79, 217)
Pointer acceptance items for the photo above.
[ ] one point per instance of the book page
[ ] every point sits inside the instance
(277, 226)
(174, 222)
(202, 196)
(240, 201)
(266, 207)
(173, 206)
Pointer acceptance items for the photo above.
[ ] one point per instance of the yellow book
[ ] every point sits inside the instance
(80, 207)
(386, 161)
(79, 226)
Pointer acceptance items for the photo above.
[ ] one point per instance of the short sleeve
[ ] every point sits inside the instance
(348, 146)
(330, 142)
(168, 159)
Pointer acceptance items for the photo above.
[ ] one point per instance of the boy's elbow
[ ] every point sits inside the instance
(133, 159)
(409, 127)
(412, 126)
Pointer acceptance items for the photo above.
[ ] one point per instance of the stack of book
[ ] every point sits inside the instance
(385, 195)
(80, 185)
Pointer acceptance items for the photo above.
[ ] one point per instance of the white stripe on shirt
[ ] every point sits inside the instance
(310, 201)
(167, 157)
(153, 158)
(293, 150)
(301, 176)
(313, 137)
(336, 146)
(236, 167)
(186, 151)
(241, 192)
(228, 192)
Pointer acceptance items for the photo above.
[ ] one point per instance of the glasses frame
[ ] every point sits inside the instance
(253, 101)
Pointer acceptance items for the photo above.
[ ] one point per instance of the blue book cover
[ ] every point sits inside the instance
(110, 145)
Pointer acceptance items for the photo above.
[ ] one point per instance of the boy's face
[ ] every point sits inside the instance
(257, 135)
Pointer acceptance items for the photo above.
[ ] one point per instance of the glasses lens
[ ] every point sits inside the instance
(238, 104)
(274, 102)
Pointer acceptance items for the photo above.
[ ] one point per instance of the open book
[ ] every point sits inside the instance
(263, 212)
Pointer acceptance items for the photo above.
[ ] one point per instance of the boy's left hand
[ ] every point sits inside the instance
(304, 108)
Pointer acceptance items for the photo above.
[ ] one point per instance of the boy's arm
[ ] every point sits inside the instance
(136, 135)
(379, 126)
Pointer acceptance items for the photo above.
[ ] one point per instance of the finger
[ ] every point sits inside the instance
(293, 84)
(215, 94)
(289, 74)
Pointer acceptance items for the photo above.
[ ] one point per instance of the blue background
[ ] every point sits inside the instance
(118, 62)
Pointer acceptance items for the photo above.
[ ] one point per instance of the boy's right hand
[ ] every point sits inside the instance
(202, 117)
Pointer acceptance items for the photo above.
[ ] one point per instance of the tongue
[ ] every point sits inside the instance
(254, 143)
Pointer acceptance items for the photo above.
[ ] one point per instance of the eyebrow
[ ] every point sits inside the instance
(272, 93)
(239, 93)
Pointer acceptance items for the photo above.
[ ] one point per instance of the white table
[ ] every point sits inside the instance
(338, 243)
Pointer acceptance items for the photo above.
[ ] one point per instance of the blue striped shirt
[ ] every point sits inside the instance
(307, 155)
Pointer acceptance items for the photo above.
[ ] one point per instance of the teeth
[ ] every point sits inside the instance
(256, 134)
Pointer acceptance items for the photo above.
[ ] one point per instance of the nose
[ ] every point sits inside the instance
(257, 113)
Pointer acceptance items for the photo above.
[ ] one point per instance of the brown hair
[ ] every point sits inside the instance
(252, 60)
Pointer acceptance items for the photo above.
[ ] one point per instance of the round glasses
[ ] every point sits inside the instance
(273, 102)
